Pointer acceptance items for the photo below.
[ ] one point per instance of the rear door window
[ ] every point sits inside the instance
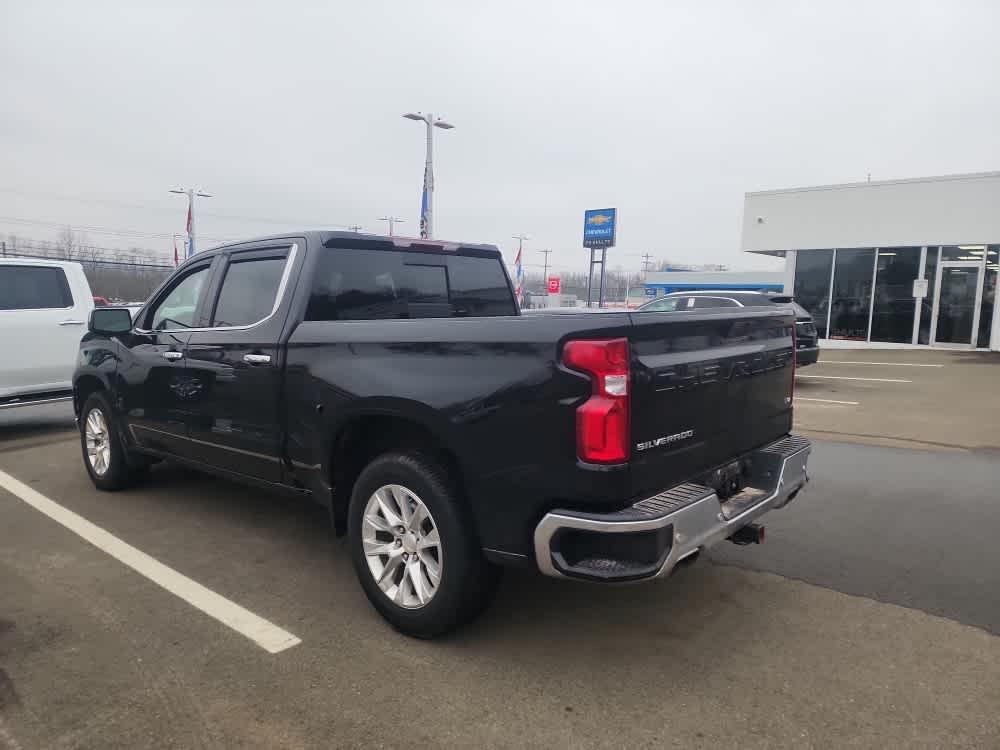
(355, 284)
(33, 288)
(479, 287)
(249, 290)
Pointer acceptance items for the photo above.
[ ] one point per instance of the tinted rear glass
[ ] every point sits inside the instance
(33, 288)
(383, 284)
(248, 292)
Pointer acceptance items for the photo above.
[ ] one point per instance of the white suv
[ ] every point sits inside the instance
(44, 307)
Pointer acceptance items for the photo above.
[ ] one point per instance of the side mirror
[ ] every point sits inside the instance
(108, 321)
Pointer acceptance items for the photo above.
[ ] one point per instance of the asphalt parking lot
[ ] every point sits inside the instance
(868, 619)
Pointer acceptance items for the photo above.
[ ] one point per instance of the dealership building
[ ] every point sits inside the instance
(896, 263)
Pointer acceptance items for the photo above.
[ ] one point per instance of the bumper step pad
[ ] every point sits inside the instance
(649, 538)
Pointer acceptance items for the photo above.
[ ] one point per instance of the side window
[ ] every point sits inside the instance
(33, 288)
(354, 284)
(701, 303)
(665, 304)
(248, 291)
(177, 308)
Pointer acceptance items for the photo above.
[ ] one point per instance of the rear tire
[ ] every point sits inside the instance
(414, 548)
(104, 454)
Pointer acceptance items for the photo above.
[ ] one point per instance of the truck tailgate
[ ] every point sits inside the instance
(707, 386)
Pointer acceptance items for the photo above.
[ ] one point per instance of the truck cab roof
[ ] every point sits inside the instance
(334, 239)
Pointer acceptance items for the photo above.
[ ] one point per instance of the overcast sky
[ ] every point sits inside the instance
(669, 111)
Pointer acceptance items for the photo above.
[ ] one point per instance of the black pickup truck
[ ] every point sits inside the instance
(395, 382)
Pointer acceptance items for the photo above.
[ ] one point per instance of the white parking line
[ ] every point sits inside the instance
(827, 401)
(265, 634)
(839, 377)
(890, 364)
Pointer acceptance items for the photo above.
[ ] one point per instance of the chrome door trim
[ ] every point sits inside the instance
(278, 299)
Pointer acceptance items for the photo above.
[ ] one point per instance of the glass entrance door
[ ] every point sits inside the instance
(956, 304)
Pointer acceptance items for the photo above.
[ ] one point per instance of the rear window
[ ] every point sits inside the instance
(800, 311)
(33, 288)
(384, 284)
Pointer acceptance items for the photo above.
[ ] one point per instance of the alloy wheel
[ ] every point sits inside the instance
(98, 442)
(402, 546)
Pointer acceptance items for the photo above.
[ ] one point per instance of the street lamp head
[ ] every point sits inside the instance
(182, 192)
(414, 116)
(444, 125)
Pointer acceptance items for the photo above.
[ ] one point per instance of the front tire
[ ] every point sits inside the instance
(414, 548)
(104, 454)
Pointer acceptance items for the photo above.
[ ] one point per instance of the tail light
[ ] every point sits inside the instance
(602, 423)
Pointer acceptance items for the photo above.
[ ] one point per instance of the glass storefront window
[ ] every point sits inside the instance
(963, 252)
(812, 284)
(892, 319)
(927, 303)
(989, 295)
(852, 294)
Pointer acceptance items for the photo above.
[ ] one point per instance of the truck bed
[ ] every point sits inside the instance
(706, 386)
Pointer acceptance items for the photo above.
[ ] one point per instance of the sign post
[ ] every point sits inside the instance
(555, 284)
(600, 227)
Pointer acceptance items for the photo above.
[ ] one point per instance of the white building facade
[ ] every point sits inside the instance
(899, 263)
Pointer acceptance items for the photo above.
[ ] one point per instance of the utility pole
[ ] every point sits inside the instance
(646, 260)
(393, 220)
(191, 194)
(427, 201)
(545, 272)
(4, 243)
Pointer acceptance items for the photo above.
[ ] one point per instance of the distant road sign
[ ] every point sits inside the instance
(555, 284)
(599, 227)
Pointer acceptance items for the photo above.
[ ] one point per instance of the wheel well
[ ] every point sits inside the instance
(82, 389)
(365, 438)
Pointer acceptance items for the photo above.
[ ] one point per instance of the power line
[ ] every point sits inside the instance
(126, 233)
(166, 209)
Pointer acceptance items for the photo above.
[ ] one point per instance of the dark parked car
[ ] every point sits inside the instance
(395, 382)
(807, 340)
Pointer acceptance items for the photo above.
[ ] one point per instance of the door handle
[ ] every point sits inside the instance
(172, 356)
(257, 359)
(71, 322)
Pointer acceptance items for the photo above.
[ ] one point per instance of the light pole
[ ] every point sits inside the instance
(190, 193)
(427, 201)
(393, 221)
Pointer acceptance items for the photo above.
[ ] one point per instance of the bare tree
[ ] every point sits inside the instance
(69, 243)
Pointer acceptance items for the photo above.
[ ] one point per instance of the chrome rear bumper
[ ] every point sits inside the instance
(649, 538)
